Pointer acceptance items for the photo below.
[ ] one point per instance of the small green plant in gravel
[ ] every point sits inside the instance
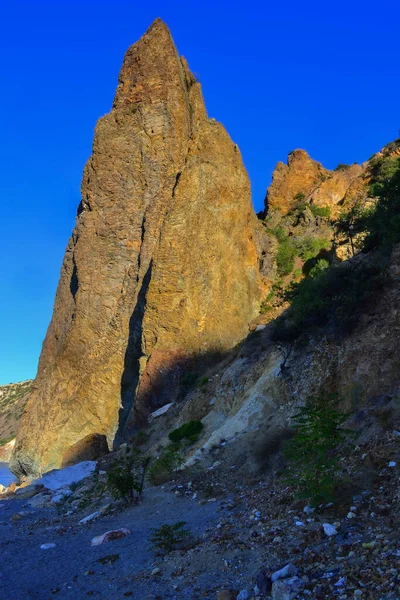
(315, 451)
(163, 468)
(125, 478)
(167, 537)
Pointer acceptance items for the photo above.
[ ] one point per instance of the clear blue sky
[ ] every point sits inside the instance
(323, 76)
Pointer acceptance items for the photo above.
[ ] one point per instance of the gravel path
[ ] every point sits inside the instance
(71, 570)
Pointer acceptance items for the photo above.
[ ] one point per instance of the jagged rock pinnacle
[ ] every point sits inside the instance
(161, 267)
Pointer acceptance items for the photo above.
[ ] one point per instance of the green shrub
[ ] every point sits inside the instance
(4, 441)
(164, 467)
(309, 247)
(280, 234)
(334, 296)
(342, 167)
(140, 438)
(299, 197)
(167, 537)
(203, 381)
(297, 273)
(351, 223)
(187, 430)
(314, 452)
(318, 268)
(392, 146)
(285, 258)
(265, 307)
(276, 293)
(125, 477)
(382, 224)
(188, 380)
(324, 176)
(321, 211)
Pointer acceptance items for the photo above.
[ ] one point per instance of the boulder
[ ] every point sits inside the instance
(28, 491)
(110, 536)
(91, 447)
(287, 589)
(61, 478)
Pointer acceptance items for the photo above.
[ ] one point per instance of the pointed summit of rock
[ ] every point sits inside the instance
(161, 268)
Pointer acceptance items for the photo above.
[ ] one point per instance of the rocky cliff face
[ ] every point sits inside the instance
(161, 266)
(303, 179)
(13, 399)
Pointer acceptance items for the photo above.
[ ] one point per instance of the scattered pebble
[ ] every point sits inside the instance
(47, 546)
(329, 529)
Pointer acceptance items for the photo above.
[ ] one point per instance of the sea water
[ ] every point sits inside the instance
(6, 477)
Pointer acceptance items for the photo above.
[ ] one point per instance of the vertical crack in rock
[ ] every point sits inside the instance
(178, 176)
(163, 256)
(74, 283)
(131, 372)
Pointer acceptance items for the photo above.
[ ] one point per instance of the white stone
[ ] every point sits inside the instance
(243, 595)
(90, 517)
(392, 464)
(286, 571)
(308, 510)
(47, 546)
(160, 411)
(61, 496)
(329, 529)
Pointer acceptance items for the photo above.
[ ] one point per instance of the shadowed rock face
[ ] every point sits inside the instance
(161, 265)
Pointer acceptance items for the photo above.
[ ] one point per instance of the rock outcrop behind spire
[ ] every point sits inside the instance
(304, 179)
(161, 267)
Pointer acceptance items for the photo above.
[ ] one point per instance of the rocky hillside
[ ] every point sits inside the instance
(310, 217)
(162, 266)
(13, 399)
(168, 268)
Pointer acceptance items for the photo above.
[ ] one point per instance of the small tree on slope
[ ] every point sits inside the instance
(313, 452)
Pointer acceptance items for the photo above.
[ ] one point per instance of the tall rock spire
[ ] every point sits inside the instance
(161, 266)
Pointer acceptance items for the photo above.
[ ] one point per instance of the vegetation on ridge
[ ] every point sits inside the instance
(335, 295)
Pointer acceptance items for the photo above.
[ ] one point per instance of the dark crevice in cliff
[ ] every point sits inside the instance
(74, 283)
(178, 176)
(131, 372)
(80, 209)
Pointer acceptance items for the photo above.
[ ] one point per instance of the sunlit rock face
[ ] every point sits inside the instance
(303, 179)
(161, 266)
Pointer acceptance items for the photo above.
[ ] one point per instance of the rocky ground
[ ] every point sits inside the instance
(242, 532)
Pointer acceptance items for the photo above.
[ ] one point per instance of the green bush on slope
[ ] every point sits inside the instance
(315, 450)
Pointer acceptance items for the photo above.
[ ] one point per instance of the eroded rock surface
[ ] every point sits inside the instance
(303, 179)
(161, 266)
